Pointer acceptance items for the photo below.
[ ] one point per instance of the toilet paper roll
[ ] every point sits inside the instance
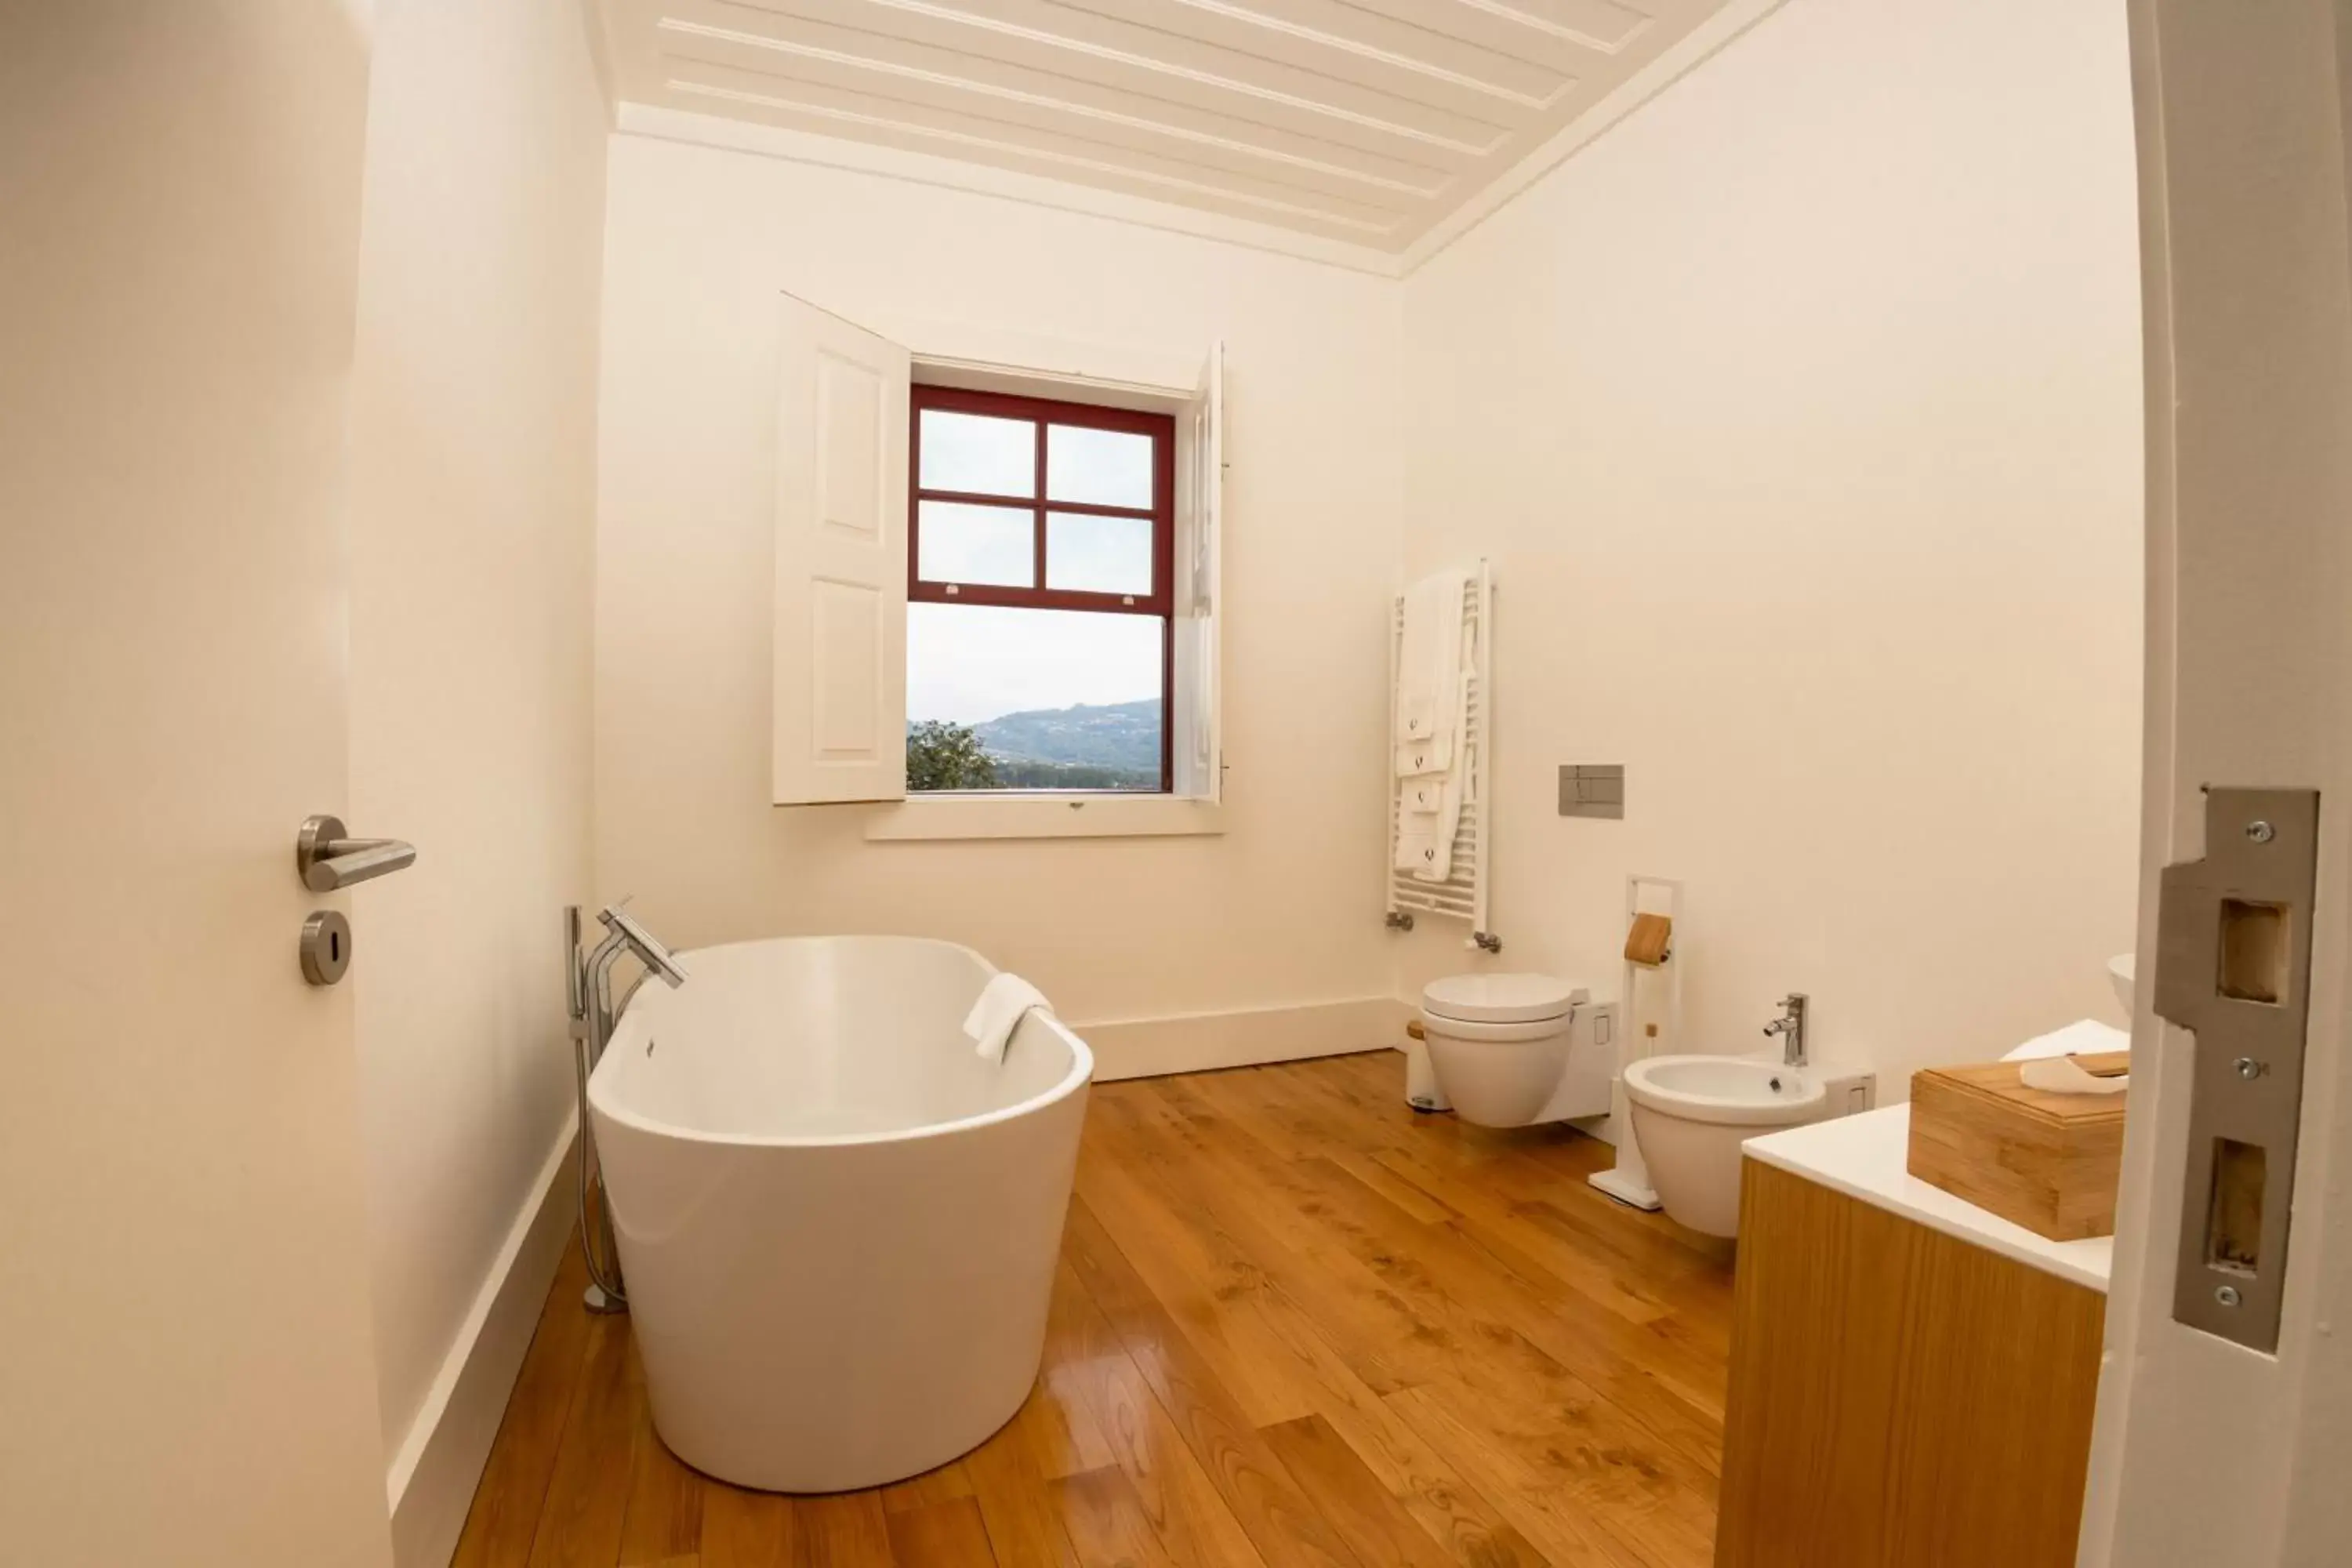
(1648, 939)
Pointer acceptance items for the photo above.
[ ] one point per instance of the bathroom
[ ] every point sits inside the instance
(1784, 365)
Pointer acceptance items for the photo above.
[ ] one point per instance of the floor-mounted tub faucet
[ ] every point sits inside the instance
(1791, 1024)
(595, 1015)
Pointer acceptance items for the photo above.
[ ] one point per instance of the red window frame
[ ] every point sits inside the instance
(1043, 412)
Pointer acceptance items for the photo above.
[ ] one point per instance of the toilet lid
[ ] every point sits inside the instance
(1503, 998)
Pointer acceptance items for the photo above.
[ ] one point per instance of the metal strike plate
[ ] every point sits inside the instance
(2234, 965)
(1592, 789)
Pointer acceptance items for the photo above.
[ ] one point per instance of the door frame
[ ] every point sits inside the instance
(2205, 1452)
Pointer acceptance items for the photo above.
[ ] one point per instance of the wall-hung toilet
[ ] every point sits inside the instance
(1513, 1050)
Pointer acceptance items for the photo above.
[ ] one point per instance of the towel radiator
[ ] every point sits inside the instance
(1464, 893)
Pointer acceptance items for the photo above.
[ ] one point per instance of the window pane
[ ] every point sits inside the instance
(1100, 468)
(978, 454)
(1006, 699)
(960, 542)
(1099, 554)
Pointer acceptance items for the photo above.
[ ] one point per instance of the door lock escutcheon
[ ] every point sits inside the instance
(2233, 967)
(326, 947)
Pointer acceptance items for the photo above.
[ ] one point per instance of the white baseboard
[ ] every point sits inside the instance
(1196, 1042)
(431, 1479)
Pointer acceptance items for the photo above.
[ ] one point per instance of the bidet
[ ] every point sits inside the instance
(1692, 1114)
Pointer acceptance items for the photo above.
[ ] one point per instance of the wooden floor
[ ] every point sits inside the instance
(1294, 1322)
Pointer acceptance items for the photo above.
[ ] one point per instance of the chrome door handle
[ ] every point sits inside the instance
(327, 859)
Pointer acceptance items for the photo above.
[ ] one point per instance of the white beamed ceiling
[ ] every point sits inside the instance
(1367, 122)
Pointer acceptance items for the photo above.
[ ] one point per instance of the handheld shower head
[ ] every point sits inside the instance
(643, 943)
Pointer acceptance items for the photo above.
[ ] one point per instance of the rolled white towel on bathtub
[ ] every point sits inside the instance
(1004, 1003)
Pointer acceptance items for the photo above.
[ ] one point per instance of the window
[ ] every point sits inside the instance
(1003, 600)
(1041, 594)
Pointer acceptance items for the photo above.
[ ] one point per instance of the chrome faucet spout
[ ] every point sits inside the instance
(648, 949)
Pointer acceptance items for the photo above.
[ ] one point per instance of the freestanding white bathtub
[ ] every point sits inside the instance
(838, 1225)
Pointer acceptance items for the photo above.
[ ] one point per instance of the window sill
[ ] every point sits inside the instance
(1043, 815)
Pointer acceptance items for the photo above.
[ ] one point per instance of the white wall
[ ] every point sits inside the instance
(1283, 909)
(473, 431)
(1800, 415)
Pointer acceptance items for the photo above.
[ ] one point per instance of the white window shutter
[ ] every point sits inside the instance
(841, 562)
(1198, 741)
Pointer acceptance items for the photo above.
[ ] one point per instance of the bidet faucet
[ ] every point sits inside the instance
(1792, 1023)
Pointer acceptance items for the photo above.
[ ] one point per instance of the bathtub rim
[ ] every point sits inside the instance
(1081, 1073)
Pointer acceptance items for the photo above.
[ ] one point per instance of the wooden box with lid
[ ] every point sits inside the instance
(2048, 1162)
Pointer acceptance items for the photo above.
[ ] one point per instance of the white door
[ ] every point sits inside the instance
(841, 560)
(183, 1267)
(2210, 1452)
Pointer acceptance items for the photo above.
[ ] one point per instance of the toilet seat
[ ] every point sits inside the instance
(1502, 999)
(1525, 1031)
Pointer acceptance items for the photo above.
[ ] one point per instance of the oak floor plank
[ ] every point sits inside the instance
(1376, 1526)
(1548, 1209)
(1484, 1203)
(1179, 1501)
(1319, 1227)
(1431, 1488)
(663, 1521)
(1432, 1491)
(1022, 1517)
(1203, 1279)
(1548, 1164)
(843, 1530)
(507, 1501)
(1416, 1204)
(1063, 1426)
(1513, 1341)
(1643, 1363)
(944, 1485)
(588, 1495)
(1545, 1515)
(1452, 1313)
(949, 1533)
(1525, 1184)
(1219, 1213)
(1576, 1461)
(1485, 1332)
(1280, 1520)
(745, 1529)
(1270, 1251)
(1106, 1522)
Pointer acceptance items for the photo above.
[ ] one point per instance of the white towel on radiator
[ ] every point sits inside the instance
(1424, 845)
(1429, 674)
(1003, 1002)
(1429, 807)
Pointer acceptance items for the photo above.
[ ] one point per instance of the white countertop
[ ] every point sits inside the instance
(1862, 1156)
